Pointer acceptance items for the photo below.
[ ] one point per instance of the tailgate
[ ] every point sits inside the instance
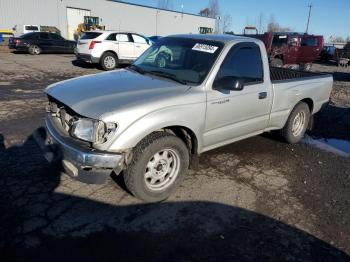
(83, 46)
(85, 41)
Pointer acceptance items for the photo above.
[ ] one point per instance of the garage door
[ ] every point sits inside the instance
(75, 16)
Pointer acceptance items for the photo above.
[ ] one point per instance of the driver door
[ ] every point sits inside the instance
(233, 114)
(58, 43)
(309, 49)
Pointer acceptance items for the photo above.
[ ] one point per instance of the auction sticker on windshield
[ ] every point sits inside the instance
(205, 48)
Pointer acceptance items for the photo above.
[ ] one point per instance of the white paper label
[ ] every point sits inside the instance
(205, 48)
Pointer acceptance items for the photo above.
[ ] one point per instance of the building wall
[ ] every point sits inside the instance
(36, 12)
(114, 15)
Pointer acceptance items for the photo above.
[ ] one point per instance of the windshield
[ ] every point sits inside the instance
(186, 61)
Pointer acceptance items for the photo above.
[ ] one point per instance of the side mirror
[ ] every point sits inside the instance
(228, 83)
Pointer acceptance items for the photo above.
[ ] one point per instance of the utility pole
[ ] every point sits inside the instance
(261, 17)
(308, 18)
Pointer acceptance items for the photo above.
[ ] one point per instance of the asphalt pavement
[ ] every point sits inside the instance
(257, 199)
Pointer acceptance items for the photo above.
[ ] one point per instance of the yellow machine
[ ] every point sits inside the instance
(90, 23)
(6, 32)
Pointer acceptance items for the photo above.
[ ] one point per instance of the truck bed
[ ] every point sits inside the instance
(278, 74)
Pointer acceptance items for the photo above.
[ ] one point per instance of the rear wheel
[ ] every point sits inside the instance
(159, 164)
(109, 61)
(276, 62)
(34, 50)
(297, 123)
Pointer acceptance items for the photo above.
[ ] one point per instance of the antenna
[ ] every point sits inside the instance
(308, 18)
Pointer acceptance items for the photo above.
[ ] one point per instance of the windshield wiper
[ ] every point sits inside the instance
(167, 75)
(137, 69)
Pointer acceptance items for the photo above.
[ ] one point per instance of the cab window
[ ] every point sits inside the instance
(31, 36)
(243, 62)
(56, 37)
(118, 37)
(44, 36)
(279, 40)
(122, 38)
(309, 41)
(31, 28)
(139, 39)
(111, 37)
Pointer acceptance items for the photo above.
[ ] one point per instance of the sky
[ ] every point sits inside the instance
(328, 17)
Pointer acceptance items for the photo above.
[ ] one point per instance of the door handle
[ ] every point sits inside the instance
(262, 95)
(138, 46)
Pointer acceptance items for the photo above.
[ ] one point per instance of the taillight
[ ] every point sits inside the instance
(17, 41)
(93, 43)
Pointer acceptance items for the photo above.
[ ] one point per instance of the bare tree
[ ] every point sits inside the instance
(214, 8)
(273, 26)
(261, 23)
(226, 23)
(337, 39)
(213, 11)
(205, 12)
(165, 4)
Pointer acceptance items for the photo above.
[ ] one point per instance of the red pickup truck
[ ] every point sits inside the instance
(292, 50)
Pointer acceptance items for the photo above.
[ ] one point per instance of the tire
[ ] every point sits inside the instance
(294, 67)
(162, 60)
(294, 129)
(306, 67)
(109, 61)
(276, 62)
(140, 173)
(34, 50)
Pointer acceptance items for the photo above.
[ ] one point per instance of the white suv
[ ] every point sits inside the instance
(109, 48)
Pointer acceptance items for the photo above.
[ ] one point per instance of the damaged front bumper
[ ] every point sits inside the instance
(77, 159)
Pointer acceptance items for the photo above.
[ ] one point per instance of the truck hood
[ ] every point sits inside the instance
(96, 95)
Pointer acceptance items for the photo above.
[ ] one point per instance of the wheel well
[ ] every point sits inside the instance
(190, 139)
(110, 51)
(279, 57)
(310, 103)
(186, 135)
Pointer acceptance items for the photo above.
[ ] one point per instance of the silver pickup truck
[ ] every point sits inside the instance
(185, 95)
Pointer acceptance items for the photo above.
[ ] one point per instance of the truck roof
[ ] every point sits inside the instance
(224, 38)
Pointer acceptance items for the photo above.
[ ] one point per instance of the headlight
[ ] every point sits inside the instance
(93, 131)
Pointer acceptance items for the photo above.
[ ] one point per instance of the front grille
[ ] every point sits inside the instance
(62, 113)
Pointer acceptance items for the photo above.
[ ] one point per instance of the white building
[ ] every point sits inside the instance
(115, 15)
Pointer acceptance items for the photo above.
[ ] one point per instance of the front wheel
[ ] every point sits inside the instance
(159, 164)
(297, 123)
